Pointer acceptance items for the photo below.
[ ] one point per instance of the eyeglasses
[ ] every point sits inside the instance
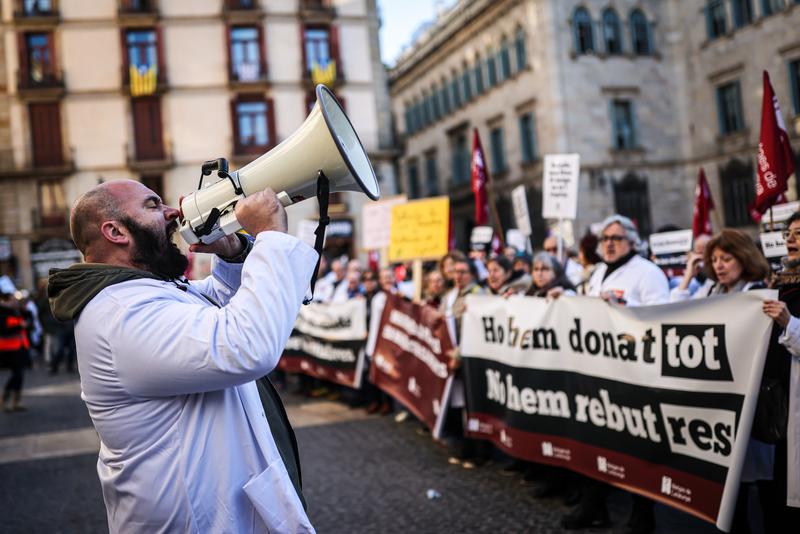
(461, 271)
(793, 233)
(614, 238)
(551, 250)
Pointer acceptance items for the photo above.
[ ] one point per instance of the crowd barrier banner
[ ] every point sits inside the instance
(657, 400)
(410, 359)
(328, 342)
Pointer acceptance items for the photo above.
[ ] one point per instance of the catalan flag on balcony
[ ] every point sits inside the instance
(143, 80)
(325, 75)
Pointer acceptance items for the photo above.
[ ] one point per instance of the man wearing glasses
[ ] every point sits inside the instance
(628, 279)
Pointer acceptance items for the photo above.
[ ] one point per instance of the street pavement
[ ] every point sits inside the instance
(361, 474)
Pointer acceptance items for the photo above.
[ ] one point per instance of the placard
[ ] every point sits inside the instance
(419, 229)
(670, 250)
(560, 197)
(773, 245)
(481, 235)
(376, 222)
(519, 202)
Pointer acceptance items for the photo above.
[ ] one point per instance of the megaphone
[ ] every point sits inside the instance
(326, 145)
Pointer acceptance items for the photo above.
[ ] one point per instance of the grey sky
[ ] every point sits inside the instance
(399, 20)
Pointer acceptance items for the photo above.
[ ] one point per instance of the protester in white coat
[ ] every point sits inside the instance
(628, 279)
(168, 367)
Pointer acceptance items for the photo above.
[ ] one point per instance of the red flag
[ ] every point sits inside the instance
(703, 204)
(480, 178)
(775, 158)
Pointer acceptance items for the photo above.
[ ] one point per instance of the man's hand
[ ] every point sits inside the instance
(227, 247)
(261, 212)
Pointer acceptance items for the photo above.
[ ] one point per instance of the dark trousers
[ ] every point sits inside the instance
(14, 382)
(62, 348)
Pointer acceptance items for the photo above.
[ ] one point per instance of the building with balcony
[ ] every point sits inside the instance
(646, 92)
(149, 90)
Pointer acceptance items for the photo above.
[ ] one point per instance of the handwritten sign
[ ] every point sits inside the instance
(376, 222)
(419, 229)
(520, 204)
(561, 173)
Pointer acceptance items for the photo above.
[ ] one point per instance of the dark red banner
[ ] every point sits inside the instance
(410, 358)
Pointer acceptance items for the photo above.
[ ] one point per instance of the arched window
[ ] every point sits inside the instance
(519, 45)
(612, 34)
(582, 31)
(631, 200)
(640, 34)
(505, 59)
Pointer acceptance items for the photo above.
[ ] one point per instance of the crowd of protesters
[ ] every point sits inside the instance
(613, 266)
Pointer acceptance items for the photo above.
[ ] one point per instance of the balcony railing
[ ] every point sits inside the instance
(248, 73)
(41, 12)
(145, 84)
(156, 159)
(50, 80)
(53, 219)
(39, 164)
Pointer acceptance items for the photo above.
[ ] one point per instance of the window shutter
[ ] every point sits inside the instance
(273, 140)
(263, 48)
(23, 58)
(306, 71)
(334, 34)
(228, 49)
(162, 64)
(237, 149)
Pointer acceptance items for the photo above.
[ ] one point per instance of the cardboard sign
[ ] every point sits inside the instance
(671, 249)
(481, 235)
(671, 242)
(781, 212)
(773, 245)
(518, 240)
(561, 173)
(376, 224)
(419, 229)
(519, 201)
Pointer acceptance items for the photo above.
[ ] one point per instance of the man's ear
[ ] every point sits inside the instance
(115, 232)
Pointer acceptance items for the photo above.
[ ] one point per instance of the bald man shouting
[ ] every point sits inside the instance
(192, 438)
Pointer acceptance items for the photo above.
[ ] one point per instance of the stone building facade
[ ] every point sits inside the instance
(633, 86)
(149, 90)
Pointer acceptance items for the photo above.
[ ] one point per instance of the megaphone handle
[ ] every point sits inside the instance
(323, 190)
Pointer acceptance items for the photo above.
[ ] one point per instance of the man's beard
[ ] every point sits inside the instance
(156, 252)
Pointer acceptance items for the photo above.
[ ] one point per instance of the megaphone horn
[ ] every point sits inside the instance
(325, 144)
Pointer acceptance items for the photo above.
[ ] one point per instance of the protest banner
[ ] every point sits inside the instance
(670, 250)
(410, 359)
(328, 342)
(658, 400)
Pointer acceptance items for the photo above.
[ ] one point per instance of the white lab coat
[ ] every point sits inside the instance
(791, 340)
(639, 282)
(168, 381)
